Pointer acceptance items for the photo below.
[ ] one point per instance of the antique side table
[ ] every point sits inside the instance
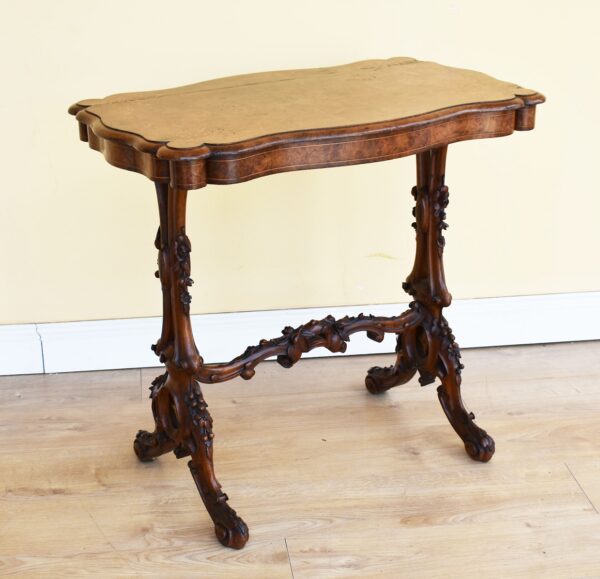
(234, 129)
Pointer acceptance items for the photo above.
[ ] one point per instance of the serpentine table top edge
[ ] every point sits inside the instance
(238, 128)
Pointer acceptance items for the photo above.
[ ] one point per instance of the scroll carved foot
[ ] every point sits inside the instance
(379, 379)
(149, 445)
(479, 444)
(230, 529)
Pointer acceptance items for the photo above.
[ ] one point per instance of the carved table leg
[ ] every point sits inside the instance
(478, 443)
(150, 445)
(379, 379)
(182, 422)
(229, 528)
(429, 347)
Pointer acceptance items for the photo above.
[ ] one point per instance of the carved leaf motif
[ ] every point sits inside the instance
(449, 344)
(415, 193)
(157, 384)
(294, 342)
(439, 210)
(201, 419)
(183, 247)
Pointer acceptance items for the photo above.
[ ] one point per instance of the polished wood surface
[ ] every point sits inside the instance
(247, 107)
(238, 128)
(425, 345)
(332, 481)
(430, 106)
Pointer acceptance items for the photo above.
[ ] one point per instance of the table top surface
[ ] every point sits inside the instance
(238, 108)
(240, 113)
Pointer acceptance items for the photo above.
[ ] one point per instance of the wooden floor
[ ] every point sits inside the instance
(333, 482)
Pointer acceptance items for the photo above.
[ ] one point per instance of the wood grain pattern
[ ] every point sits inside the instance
(75, 501)
(239, 128)
(247, 107)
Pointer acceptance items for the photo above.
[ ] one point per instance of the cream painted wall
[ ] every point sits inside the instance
(77, 234)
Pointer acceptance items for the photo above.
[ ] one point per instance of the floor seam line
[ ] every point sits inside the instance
(118, 553)
(289, 558)
(581, 488)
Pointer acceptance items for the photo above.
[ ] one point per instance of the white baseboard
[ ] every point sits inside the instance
(113, 344)
(20, 350)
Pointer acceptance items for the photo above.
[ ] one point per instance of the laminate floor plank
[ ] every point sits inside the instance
(332, 481)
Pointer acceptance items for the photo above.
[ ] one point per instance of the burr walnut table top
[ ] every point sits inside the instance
(237, 128)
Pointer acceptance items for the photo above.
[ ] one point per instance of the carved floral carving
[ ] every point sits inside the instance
(158, 245)
(157, 384)
(440, 202)
(449, 345)
(183, 247)
(201, 419)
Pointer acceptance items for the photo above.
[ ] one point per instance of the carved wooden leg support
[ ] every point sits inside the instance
(429, 347)
(149, 445)
(425, 344)
(182, 422)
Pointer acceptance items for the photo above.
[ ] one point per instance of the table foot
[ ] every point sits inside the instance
(230, 529)
(150, 445)
(380, 379)
(183, 425)
(438, 357)
(479, 444)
